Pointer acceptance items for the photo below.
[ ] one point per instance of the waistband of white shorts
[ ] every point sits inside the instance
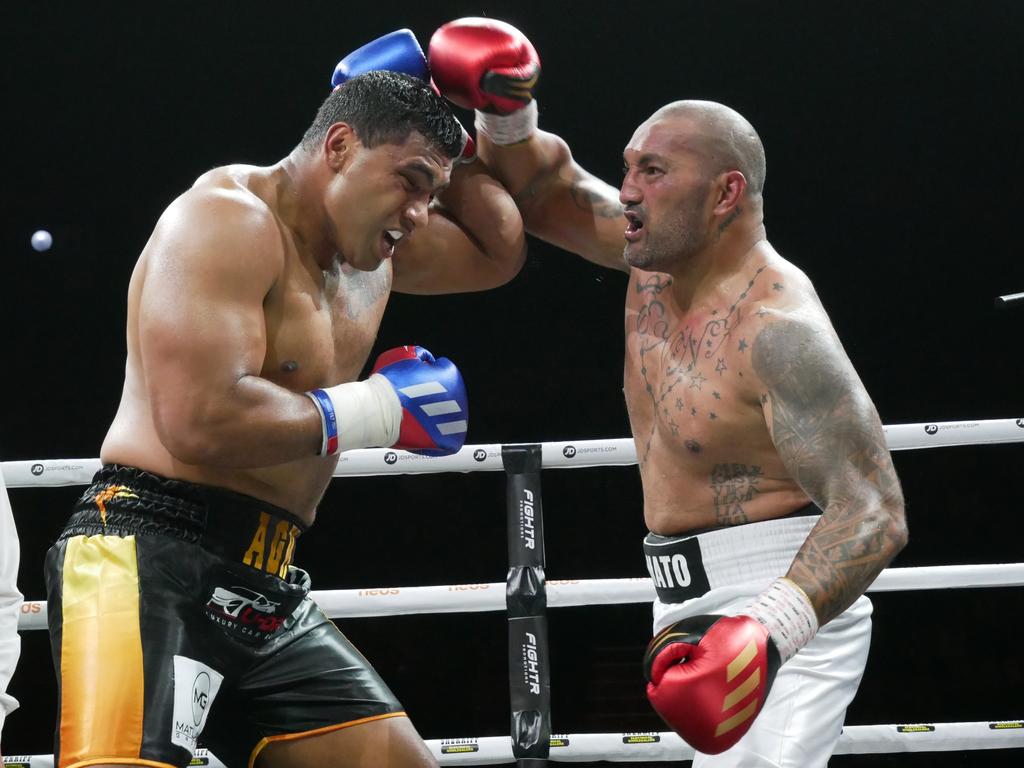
(688, 566)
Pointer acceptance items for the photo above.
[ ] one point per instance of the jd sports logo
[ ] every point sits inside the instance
(569, 451)
(479, 455)
(390, 457)
(38, 469)
(200, 696)
(931, 429)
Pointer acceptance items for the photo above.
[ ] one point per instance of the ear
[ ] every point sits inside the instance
(732, 185)
(339, 145)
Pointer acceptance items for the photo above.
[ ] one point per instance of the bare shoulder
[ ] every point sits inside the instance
(220, 224)
(791, 332)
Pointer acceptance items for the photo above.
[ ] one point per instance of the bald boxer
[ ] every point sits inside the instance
(175, 611)
(769, 491)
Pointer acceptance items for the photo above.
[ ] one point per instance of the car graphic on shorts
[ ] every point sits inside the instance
(232, 601)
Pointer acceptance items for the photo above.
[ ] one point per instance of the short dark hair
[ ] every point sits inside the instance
(384, 108)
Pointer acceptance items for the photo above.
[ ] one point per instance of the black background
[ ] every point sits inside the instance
(893, 133)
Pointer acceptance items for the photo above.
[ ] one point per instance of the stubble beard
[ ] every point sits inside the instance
(675, 241)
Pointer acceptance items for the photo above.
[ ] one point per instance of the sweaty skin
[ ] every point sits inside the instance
(695, 399)
(259, 284)
(742, 402)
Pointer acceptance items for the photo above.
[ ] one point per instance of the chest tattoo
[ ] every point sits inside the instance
(681, 358)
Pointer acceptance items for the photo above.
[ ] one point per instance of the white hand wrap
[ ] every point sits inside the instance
(368, 414)
(786, 612)
(511, 128)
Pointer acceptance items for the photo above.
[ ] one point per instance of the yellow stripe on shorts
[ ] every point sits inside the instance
(101, 707)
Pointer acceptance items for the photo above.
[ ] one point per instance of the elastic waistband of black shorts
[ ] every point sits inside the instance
(126, 501)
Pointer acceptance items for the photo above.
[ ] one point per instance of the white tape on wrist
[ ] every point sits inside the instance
(511, 128)
(368, 414)
(786, 612)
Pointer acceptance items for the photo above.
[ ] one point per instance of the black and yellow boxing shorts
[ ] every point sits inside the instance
(177, 619)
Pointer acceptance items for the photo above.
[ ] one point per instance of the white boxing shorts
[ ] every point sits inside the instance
(718, 572)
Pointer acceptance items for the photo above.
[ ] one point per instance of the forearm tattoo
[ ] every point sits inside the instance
(591, 195)
(828, 435)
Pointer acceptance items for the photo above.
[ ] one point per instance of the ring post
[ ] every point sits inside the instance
(526, 601)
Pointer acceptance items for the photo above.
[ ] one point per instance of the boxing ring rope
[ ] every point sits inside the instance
(555, 455)
(527, 595)
(567, 593)
(667, 746)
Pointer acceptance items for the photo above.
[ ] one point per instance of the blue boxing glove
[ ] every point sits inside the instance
(411, 401)
(433, 397)
(397, 51)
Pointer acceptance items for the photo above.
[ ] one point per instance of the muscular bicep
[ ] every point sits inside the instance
(828, 434)
(821, 419)
(474, 239)
(200, 316)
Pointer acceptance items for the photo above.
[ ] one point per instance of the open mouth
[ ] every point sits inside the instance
(391, 238)
(634, 225)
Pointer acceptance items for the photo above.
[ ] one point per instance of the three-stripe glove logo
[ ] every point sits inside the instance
(433, 397)
(708, 678)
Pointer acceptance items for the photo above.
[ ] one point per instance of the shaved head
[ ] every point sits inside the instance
(722, 136)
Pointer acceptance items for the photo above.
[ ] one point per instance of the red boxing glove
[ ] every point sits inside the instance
(709, 677)
(484, 64)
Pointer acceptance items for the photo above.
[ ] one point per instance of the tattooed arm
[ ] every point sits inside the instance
(560, 202)
(829, 436)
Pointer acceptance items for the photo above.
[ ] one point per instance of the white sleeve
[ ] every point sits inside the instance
(10, 602)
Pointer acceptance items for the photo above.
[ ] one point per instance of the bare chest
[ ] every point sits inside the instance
(688, 380)
(320, 328)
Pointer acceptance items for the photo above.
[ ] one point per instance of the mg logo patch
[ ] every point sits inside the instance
(195, 688)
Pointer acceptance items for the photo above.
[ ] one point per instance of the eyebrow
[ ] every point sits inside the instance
(424, 170)
(646, 159)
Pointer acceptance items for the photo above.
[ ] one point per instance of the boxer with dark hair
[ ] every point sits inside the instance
(175, 611)
(769, 491)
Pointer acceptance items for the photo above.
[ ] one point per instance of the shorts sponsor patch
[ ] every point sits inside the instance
(195, 688)
(250, 614)
(676, 566)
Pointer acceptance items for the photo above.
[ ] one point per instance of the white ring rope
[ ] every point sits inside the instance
(658, 747)
(473, 598)
(556, 455)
